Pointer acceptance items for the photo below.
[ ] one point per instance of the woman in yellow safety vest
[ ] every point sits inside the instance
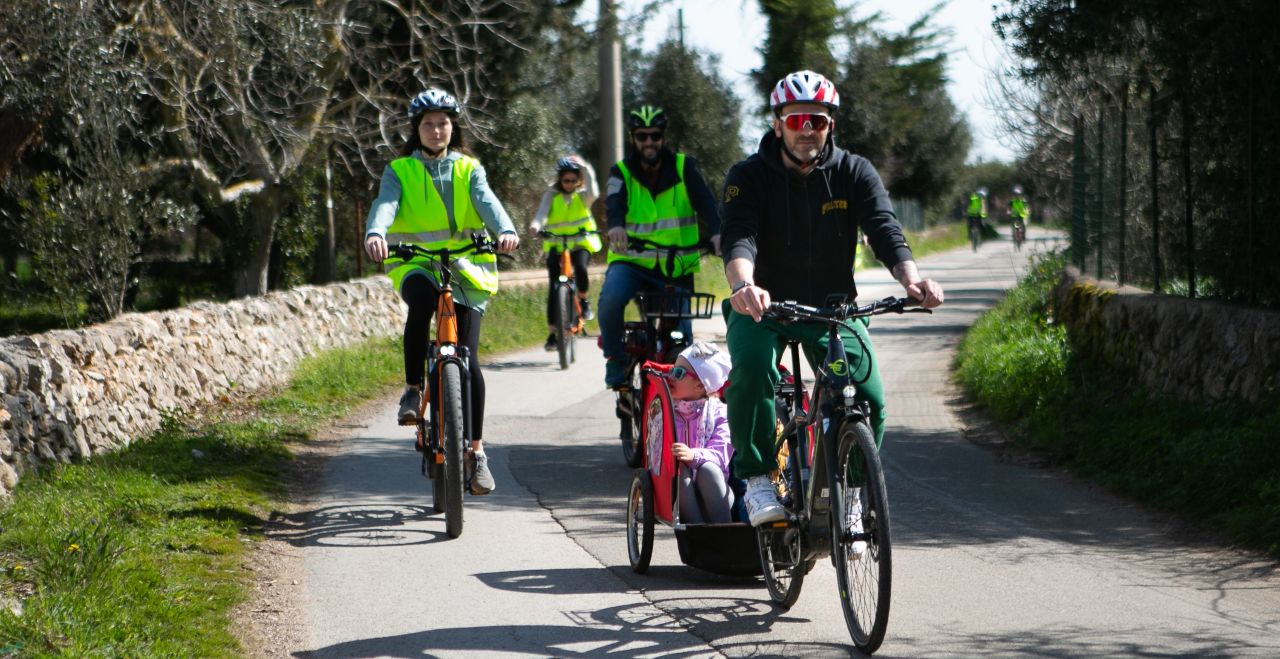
(436, 195)
(565, 210)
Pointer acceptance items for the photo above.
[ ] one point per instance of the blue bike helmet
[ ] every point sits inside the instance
(433, 100)
(567, 165)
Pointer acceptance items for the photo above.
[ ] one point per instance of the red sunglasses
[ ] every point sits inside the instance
(799, 121)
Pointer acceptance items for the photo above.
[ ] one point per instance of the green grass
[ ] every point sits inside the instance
(935, 239)
(1214, 466)
(138, 553)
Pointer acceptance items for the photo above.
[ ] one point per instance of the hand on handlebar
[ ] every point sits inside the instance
(507, 243)
(927, 291)
(618, 239)
(751, 301)
(376, 247)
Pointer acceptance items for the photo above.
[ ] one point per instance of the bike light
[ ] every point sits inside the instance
(849, 392)
(677, 336)
(448, 351)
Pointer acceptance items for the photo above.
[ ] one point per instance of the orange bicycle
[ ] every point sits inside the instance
(569, 323)
(444, 416)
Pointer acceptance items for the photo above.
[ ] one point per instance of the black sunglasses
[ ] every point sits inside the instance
(650, 136)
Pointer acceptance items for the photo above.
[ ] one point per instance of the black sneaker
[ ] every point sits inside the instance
(587, 313)
(409, 404)
(552, 343)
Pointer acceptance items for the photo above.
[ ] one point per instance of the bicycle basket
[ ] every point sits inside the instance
(676, 304)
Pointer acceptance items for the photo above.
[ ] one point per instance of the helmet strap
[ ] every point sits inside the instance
(806, 164)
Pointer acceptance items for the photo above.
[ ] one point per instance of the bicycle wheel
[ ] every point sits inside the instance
(782, 551)
(564, 323)
(640, 521)
(632, 434)
(975, 236)
(452, 422)
(862, 556)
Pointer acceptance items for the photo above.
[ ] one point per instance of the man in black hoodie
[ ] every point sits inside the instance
(791, 217)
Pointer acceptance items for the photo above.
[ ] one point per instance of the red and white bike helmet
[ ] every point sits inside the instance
(804, 87)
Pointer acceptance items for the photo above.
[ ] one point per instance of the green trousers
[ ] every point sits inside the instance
(756, 350)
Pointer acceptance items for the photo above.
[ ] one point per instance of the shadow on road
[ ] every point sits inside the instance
(578, 581)
(679, 628)
(354, 526)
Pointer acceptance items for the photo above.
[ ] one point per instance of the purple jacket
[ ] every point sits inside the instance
(707, 434)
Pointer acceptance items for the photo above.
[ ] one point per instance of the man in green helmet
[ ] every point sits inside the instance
(653, 194)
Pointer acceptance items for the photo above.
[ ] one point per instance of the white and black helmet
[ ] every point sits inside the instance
(804, 87)
(433, 100)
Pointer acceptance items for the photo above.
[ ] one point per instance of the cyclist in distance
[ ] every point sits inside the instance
(792, 212)
(653, 194)
(977, 209)
(437, 196)
(1018, 208)
(565, 211)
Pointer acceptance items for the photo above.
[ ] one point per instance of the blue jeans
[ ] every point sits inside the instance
(621, 283)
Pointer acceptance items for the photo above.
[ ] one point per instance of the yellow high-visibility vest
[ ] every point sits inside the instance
(421, 218)
(567, 219)
(666, 220)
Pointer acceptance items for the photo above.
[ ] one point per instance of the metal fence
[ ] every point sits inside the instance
(1171, 196)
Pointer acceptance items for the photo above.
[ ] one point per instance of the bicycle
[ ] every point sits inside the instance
(833, 482)
(444, 415)
(655, 337)
(1019, 233)
(568, 307)
(975, 232)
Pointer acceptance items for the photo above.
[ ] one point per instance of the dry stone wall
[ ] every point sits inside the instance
(70, 394)
(1195, 350)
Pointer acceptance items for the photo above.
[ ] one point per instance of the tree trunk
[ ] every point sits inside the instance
(251, 279)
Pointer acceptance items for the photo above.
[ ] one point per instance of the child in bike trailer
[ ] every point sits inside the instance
(702, 444)
(564, 211)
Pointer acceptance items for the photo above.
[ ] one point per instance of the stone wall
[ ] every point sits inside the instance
(1195, 350)
(70, 394)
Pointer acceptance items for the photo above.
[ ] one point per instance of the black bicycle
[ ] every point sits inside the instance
(567, 306)
(655, 337)
(833, 485)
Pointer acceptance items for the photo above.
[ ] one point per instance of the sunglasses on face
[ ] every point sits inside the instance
(679, 372)
(569, 181)
(801, 120)
(652, 136)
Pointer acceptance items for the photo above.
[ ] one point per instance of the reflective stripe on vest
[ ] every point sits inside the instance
(422, 218)
(666, 220)
(567, 219)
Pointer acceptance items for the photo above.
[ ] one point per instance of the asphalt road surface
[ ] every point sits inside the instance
(991, 555)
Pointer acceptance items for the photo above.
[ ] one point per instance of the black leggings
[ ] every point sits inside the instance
(420, 293)
(580, 279)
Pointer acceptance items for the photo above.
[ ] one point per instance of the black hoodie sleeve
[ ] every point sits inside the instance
(700, 195)
(741, 214)
(875, 215)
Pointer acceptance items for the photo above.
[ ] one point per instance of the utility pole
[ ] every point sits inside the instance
(610, 63)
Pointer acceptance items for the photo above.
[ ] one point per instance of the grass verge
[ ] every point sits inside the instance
(1214, 466)
(138, 553)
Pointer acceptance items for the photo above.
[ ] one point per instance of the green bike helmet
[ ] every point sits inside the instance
(646, 116)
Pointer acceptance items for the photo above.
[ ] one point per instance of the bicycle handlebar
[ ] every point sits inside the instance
(792, 311)
(480, 243)
(569, 236)
(635, 244)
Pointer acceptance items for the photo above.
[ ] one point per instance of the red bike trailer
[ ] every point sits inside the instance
(728, 548)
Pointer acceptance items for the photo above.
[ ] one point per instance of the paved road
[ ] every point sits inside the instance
(990, 557)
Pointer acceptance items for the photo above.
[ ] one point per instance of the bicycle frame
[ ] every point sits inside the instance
(813, 505)
(566, 274)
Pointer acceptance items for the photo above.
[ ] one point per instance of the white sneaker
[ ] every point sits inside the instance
(762, 501)
(853, 522)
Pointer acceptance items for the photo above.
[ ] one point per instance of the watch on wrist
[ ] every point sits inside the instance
(741, 285)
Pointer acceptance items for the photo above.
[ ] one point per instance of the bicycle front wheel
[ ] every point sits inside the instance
(564, 324)
(452, 423)
(860, 540)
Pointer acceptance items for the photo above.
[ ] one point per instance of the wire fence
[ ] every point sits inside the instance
(1171, 195)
